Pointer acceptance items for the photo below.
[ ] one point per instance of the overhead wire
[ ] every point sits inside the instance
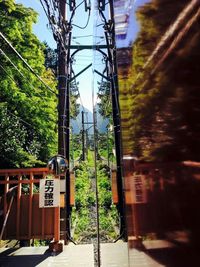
(50, 9)
(171, 30)
(54, 26)
(22, 120)
(85, 26)
(177, 39)
(21, 74)
(84, 36)
(73, 12)
(11, 62)
(11, 78)
(26, 64)
(103, 18)
(16, 68)
(31, 127)
(109, 35)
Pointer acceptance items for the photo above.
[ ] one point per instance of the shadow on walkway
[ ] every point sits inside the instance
(23, 257)
(175, 257)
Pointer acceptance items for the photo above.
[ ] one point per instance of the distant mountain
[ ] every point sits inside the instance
(101, 122)
(88, 118)
(77, 123)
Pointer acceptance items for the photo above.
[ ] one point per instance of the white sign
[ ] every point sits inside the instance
(139, 189)
(49, 193)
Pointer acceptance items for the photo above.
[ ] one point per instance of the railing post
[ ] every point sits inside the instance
(18, 205)
(30, 205)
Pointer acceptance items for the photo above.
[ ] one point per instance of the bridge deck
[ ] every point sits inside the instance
(72, 256)
(158, 253)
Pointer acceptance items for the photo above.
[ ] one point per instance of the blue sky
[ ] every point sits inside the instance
(87, 81)
(83, 58)
(40, 29)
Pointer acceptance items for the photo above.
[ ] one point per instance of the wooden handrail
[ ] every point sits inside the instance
(150, 165)
(35, 171)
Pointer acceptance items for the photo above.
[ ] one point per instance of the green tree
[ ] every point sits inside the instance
(74, 95)
(105, 104)
(27, 101)
(51, 58)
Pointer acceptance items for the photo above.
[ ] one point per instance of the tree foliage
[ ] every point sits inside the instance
(51, 58)
(74, 95)
(28, 113)
(160, 109)
(105, 104)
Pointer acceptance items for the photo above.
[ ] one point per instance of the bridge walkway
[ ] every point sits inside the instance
(155, 253)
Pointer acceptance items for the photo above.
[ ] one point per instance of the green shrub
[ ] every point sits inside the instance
(91, 199)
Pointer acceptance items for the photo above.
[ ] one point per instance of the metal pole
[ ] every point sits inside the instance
(67, 144)
(62, 86)
(63, 114)
(116, 120)
(108, 147)
(96, 187)
(83, 136)
(87, 142)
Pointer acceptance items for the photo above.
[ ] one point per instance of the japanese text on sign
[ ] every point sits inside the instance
(49, 193)
(139, 189)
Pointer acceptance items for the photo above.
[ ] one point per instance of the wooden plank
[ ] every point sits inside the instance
(6, 188)
(169, 165)
(72, 189)
(30, 206)
(49, 222)
(19, 182)
(11, 225)
(114, 188)
(6, 217)
(62, 200)
(18, 207)
(43, 222)
(36, 217)
(35, 171)
(24, 216)
(56, 224)
(3, 172)
(20, 212)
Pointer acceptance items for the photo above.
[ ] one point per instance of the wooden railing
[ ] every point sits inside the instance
(26, 220)
(171, 202)
(115, 198)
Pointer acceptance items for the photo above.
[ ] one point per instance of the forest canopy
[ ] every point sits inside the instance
(28, 110)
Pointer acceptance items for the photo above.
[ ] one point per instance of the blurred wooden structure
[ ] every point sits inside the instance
(114, 187)
(173, 195)
(171, 202)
